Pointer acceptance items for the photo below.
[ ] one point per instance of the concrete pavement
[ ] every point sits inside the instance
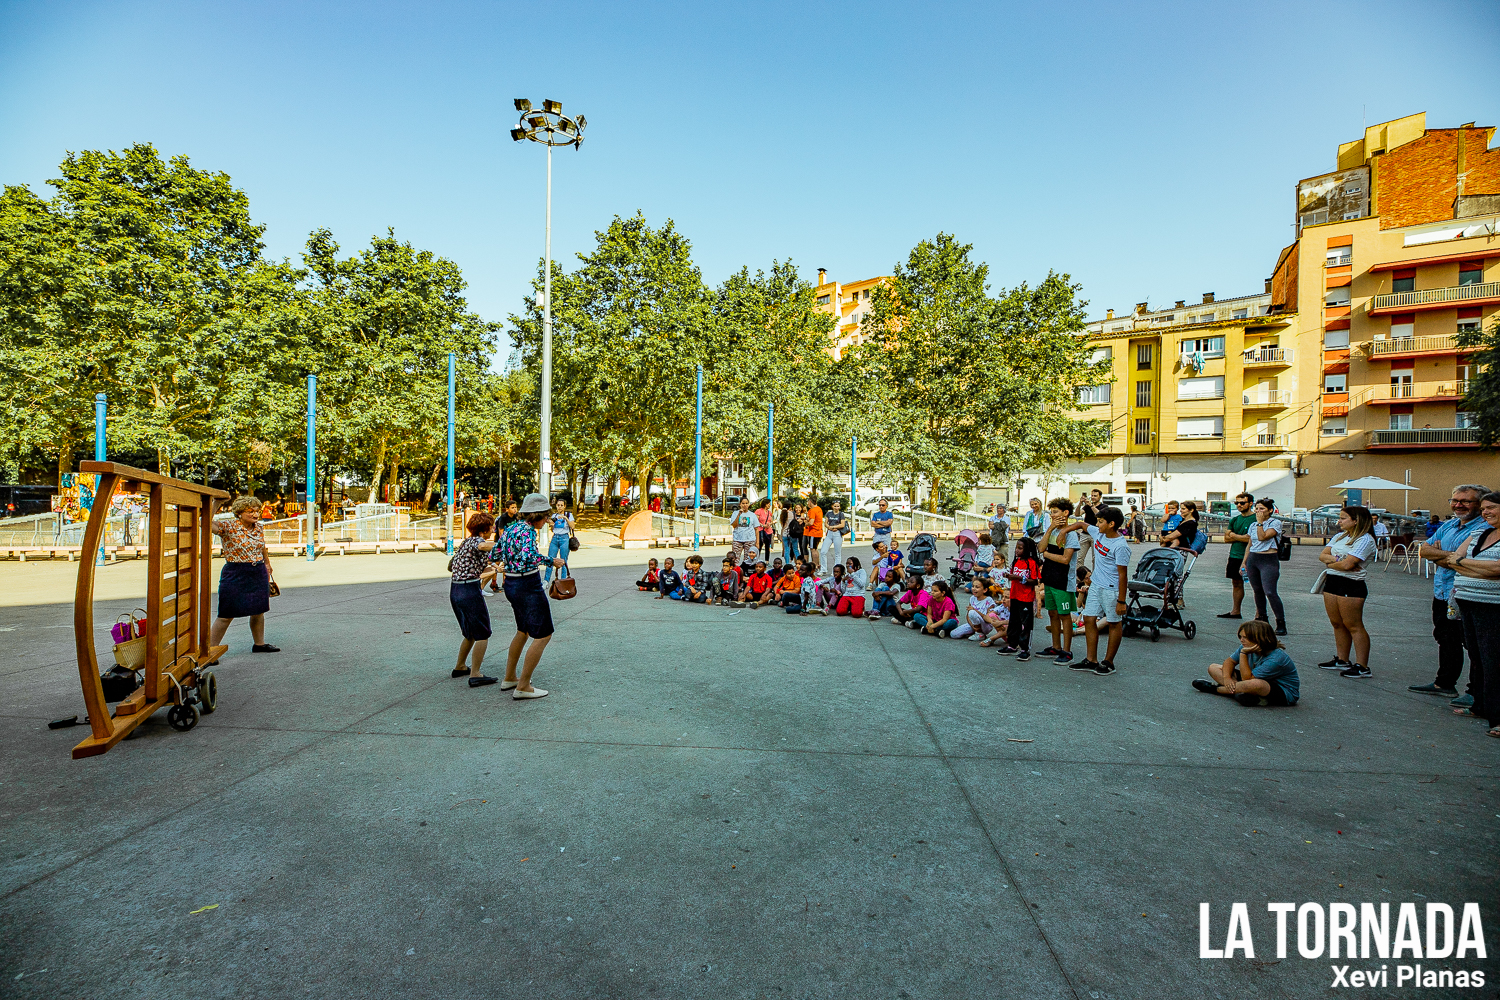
(722, 805)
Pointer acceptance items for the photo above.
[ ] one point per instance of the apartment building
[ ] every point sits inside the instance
(1397, 251)
(848, 305)
(1204, 403)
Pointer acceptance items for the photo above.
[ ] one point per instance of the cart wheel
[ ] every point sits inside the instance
(208, 692)
(1189, 629)
(1155, 633)
(182, 717)
(1131, 629)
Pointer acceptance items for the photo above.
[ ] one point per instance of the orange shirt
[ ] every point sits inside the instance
(790, 583)
(815, 521)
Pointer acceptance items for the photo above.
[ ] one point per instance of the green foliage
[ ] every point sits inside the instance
(1483, 398)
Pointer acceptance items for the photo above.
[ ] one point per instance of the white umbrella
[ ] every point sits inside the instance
(1372, 483)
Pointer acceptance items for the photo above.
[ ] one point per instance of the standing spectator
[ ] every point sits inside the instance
(655, 504)
(767, 528)
(882, 522)
(1344, 591)
(519, 560)
(1434, 523)
(245, 580)
(1237, 533)
(812, 535)
(1263, 562)
(1476, 590)
(793, 535)
(999, 526)
(835, 527)
(511, 515)
(1182, 536)
(1059, 560)
(1135, 525)
(745, 526)
(1448, 630)
(1035, 523)
(562, 534)
(1106, 598)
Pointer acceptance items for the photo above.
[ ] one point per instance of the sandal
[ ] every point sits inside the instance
(988, 642)
(1495, 732)
(1465, 712)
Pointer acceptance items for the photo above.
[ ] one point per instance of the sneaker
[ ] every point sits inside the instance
(1105, 668)
(1335, 664)
(1024, 655)
(1281, 628)
(1063, 658)
(1433, 689)
(1049, 651)
(1084, 664)
(911, 624)
(1463, 701)
(1007, 650)
(975, 637)
(1356, 672)
(1207, 687)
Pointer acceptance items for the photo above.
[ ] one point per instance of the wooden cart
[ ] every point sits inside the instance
(177, 606)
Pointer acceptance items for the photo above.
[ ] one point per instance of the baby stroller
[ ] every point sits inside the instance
(963, 563)
(921, 549)
(1160, 576)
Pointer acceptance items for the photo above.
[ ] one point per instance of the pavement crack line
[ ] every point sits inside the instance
(974, 812)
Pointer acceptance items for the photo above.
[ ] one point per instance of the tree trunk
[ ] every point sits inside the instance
(163, 462)
(643, 486)
(431, 484)
(374, 496)
(395, 480)
(932, 495)
(64, 462)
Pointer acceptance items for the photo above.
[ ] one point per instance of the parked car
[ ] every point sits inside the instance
(19, 501)
(685, 502)
(591, 499)
(898, 503)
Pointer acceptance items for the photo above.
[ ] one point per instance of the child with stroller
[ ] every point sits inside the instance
(1259, 673)
(984, 555)
(1024, 575)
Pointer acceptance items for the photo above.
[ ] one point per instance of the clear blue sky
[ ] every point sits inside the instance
(1149, 150)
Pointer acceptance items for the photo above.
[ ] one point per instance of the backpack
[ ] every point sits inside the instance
(1200, 542)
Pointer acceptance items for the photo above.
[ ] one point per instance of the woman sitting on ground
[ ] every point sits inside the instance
(1258, 673)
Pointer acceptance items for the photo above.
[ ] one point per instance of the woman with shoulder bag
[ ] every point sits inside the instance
(245, 583)
(519, 559)
(1263, 562)
(562, 536)
(470, 569)
(835, 527)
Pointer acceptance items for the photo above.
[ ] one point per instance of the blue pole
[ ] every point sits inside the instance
(312, 467)
(100, 401)
(770, 457)
(853, 489)
(698, 461)
(452, 495)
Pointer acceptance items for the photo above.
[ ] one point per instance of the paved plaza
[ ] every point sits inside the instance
(716, 804)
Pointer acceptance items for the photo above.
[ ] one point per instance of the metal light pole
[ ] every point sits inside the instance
(100, 426)
(312, 466)
(770, 456)
(698, 461)
(853, 489)
(550, 127)
(452, 496)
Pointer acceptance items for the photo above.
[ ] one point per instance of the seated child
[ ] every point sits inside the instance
(728, 584)
(984, 556)
(669, 580)
(694, 588)
(883, 596)
(827, 590)
(758, 587)
(1000, 616)
(789, 590)
(913, 601)
(941, 615)
(976, 625)
(648, 582)
(1258, 673)
(777, 568)
(852, 600)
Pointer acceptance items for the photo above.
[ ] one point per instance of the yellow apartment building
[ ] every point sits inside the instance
(848, 305)
(1397, 251)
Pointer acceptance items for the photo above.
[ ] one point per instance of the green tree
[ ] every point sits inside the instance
(1482, 400)
(967, 386)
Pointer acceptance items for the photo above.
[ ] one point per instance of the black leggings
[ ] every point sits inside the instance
(765, 546)
(1264, 569)
(1021, 614)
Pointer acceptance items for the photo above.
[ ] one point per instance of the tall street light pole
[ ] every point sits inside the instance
(550, 127)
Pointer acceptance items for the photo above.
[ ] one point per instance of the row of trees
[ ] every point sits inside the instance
(147, 280)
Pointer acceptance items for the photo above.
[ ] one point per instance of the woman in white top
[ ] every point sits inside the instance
(562, 536)
(1344, 591)
(1476, 588)
(1263, 562)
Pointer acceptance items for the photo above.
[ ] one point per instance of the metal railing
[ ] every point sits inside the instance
(1264, 441)
(1267, 397)
(1429, 296)
(1268, 356)
(1407, 345)
(1339, 261)
(1427, 435)
(1422, 390)
(44, 530)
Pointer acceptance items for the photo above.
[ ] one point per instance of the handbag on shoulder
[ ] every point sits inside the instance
(563, 588)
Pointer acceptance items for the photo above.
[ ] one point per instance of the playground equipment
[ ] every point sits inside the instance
(177, 606)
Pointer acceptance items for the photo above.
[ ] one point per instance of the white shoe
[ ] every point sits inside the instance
(975, 637)
(533, 693)
(506, 685)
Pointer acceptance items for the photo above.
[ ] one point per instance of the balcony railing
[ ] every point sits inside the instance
(1424, 390)
(1267, 397)
(1268, 356)
(1413, 345)
(1434, 296)
(1427, 435)
(1339, 261)
(1264, 441)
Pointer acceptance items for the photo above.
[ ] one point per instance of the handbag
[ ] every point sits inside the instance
(563, 588)
(574, 544)
(275, 590)
(128, 626)
(1283, 548)
(1319, 583)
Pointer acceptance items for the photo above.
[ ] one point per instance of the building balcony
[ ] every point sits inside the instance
(1417, 392)
(1434, 298)
(1276, 399)
(1430, 437)
(1273, 356)
(1403, 347)
(1339, 261)
(1257, 441)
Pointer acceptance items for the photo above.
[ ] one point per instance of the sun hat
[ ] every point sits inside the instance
(535, 503)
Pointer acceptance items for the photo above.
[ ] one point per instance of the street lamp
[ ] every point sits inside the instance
(550, 127)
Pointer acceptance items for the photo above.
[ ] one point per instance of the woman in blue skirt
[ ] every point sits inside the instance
(471, 569)
(517, 555)
(245, 580)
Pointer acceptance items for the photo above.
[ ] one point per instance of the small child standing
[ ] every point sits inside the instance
(1024, 573)
(1083, 592)
(984, 556)
(1265, 673)
(649, 581)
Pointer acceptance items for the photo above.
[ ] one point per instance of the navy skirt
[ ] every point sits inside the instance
(529, 601)
(470, 610)
(244, 590)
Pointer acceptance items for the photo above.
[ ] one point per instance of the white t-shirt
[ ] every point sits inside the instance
(1362, 548)
(984, 555)
(1381, 531)
(745, 525)
(1257, 544)
(1110, 554)
(979, 607)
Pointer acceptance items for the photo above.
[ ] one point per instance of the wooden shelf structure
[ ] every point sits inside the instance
(180, 560)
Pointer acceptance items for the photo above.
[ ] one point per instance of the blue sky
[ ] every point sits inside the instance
(1150, 151)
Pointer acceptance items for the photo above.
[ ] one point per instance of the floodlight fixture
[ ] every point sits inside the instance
(583, 123)
(552, 107)
(518, 133)
(522, 104)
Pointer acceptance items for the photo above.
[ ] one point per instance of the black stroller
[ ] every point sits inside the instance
(1160, 576)
(921, 549)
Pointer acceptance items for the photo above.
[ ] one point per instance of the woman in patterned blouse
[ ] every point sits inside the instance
(470, 568)
(517, 554)
(245, 581)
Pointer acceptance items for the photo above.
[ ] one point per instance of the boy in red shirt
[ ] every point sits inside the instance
(757, 587)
